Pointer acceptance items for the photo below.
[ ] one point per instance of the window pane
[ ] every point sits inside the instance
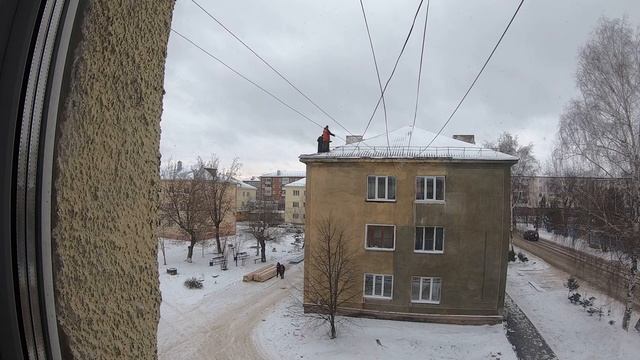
(429, 189)
(387, 285)
(420, 188)
(415, 288)
(428, 238)
(371, 187)
(382, 187)
(378, 286)
(419, 241)
(380, 237)
(440, 188)
(368, 285)
(435, 296)
(426, 286)
(439, 238)
(392, 188)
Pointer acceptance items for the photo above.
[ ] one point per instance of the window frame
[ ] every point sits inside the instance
(421, 300)
(295, 204)
(424, 242)
(296, 193)
(366, 237)
(424, 190)
(386, 193)
(381, 297)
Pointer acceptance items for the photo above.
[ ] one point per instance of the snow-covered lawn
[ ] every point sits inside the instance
(539, 291)
(194, 322)
(287, 334)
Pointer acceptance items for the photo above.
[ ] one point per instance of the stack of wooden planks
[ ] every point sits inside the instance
(262, 274)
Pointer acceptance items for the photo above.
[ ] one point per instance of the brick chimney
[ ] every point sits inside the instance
(471, 139)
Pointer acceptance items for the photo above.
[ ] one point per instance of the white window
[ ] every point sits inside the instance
(378, 286)
(430, 188)
(380, 237)
(296, 192)
(381, 188)
(429, 239)
(296, 204)
(426, 289)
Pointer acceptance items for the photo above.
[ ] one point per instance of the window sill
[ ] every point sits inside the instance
(373, 297)
(381, 200)
(380, 249)
(429, 201)
(428, 252)
(425, 302)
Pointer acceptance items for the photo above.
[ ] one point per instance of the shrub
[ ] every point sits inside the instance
(572, 284)
(512, 256)
(522, 257)
(575, 298)
(587, 302)
(193, 283)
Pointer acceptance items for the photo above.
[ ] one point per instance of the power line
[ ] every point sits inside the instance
(247, 79)
(394, 68)
(375, 62)
(424, 35)
(270, 67)
(477, 76)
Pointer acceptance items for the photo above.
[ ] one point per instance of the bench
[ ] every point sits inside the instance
(255, 261)
(242, 257)
(262, 274)
(217, 260)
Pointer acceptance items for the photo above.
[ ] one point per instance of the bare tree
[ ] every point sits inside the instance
(332, 277)
(527, 165)
(262, 219)
(219, 192)
(182, 202)
(600, 134)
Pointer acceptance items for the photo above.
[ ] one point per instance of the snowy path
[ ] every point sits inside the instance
(203, 331)
(571, 333)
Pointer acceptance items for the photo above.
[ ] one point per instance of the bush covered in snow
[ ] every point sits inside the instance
(512, 255)
(193, 283)
(522, 257)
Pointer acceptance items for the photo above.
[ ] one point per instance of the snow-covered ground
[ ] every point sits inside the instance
(197, 323)
(539, 291)
(287, 334)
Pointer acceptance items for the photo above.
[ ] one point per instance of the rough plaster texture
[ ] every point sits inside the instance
(106, 181)
(475, 216)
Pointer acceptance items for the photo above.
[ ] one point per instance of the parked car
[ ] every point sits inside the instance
(531, 235)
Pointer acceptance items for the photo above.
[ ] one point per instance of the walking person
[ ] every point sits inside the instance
(278, 269)
(326, 138)
(282, 271)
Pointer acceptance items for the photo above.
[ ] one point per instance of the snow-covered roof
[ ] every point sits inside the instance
(242, 184)
(298, 183)
(285, 173)
(420, 147)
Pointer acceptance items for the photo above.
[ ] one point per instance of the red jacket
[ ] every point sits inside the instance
(325, 135)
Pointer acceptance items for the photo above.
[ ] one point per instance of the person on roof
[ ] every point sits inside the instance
(326, 138)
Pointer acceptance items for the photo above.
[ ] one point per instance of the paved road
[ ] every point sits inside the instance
(226, 332)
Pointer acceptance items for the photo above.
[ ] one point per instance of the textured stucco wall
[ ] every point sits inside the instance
(106, 181)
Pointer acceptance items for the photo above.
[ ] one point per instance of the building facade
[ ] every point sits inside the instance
(271, 188)
(295, 201)
(428, 226)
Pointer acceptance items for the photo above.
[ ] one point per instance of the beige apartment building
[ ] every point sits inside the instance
(295, 201)
(428, 226)
(245, 195)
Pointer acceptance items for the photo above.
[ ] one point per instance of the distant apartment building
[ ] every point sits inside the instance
(245, 195)
(295, 200)
(271, 188)
(428, 225)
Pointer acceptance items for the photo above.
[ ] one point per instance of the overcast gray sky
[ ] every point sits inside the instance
(322, 47)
